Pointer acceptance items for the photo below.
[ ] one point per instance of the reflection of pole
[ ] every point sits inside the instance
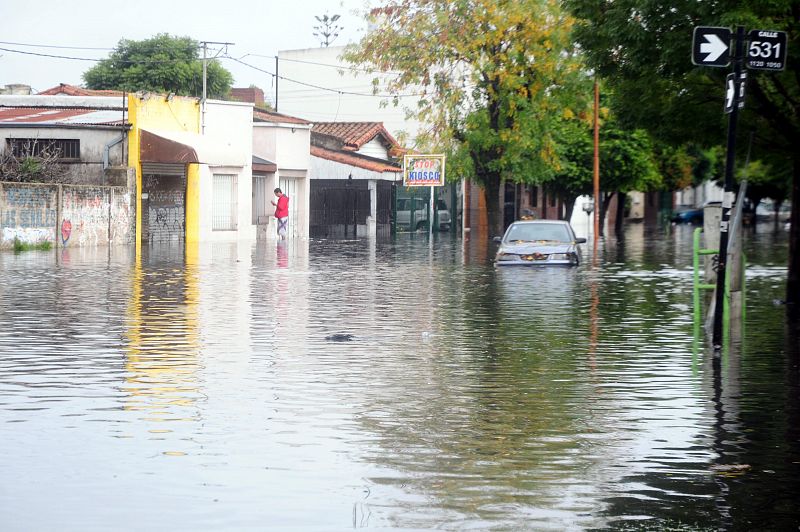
(431, 217)
(727, 200)
(593, 322)
(596, 180)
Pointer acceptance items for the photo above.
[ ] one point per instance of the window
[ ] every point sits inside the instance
(260, 200)
(552, 200)
(60, 148)
(534, 200)
(224, 204)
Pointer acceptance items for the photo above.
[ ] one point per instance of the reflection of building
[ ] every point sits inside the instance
(163, 343)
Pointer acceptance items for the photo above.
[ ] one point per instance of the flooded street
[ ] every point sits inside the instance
(205, 390)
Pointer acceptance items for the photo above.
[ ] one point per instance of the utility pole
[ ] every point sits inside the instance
(727, 199)
(276, 83)
(205, 72)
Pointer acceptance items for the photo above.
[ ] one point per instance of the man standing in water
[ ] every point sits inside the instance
(281, 212)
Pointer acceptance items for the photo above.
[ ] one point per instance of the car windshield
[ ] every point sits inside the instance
(534, 232)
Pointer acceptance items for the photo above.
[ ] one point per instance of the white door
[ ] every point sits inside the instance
(288, 186)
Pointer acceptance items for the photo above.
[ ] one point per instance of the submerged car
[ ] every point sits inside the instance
(539, 243)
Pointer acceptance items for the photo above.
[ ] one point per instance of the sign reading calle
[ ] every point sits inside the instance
(711, 46)
(767, 50)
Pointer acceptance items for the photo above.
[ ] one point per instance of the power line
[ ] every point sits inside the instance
(331, 65)
(319, 87)
(96, 60)
(58, 47)
(50, 55)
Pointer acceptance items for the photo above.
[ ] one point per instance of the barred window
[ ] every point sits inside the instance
(224, 204)
(60, 148)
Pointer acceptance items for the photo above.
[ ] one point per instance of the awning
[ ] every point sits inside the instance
(263, 165)
(180, 147)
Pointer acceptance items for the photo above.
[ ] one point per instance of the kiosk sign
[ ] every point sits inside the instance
(423, 170)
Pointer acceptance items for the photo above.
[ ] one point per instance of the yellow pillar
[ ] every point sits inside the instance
(193, 203)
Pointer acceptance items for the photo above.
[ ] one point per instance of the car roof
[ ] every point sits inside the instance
(562, 222)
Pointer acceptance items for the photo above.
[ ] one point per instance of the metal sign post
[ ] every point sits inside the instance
(727, 200)
(711, 47)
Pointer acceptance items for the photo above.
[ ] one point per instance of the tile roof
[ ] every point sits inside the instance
(354, 159)
(260, 115)
(60, 116)
(355, 134)
(71, 90)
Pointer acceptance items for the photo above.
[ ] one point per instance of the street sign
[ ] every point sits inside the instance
(423, 170)
(711, 46)
(767, 50)
(731, 88)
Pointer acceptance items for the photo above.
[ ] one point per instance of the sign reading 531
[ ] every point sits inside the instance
(767, 50)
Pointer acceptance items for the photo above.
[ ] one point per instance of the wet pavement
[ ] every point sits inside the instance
(204, 390)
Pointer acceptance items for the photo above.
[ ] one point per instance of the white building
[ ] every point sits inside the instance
(281, 152)
(319, 86)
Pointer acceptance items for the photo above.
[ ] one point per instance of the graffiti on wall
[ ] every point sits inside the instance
(88, 215)
(29, 213)
(121, 220)
(166, 213)
(86, 210)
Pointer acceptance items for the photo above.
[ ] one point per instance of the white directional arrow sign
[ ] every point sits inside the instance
(711, 46)
(730, 91)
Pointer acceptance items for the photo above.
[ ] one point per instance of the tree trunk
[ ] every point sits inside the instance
(604, 209)
(491, 192)
(776, 222)
(793, 279)
(569, 202)
(618, 222)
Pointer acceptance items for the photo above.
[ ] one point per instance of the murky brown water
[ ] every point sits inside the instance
(200, 392)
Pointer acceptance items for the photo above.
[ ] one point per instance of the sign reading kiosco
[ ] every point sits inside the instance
(423, 170)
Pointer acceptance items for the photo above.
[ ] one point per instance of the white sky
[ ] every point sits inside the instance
(256, 27)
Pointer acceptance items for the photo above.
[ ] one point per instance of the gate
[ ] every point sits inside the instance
(338, 207)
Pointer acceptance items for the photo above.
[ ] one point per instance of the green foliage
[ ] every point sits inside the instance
(495, 78)
(627, 160)
(160, 64)
(643, 49)
(20, 246)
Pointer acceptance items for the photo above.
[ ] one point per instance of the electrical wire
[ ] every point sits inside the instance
(319, 87)
(54, 46)
(331, 65)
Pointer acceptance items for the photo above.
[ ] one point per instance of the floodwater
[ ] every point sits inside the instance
(198, 391)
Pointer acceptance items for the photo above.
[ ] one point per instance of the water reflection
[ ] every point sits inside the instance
(199, 389)
(163, 340)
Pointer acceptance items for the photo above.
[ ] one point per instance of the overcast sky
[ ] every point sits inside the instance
(255, 26)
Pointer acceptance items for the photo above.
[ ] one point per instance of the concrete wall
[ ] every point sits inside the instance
(231, 125)
(65, 215)
(93, 141)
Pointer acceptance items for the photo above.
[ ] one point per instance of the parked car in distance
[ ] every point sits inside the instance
(686, 214)
(420, 214)
(539, 243)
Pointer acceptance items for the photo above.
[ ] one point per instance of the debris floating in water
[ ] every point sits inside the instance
(339, 337)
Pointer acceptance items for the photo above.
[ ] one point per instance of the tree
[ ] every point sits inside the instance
(160, 64)
(627, 163)
(493, 79)
(327, 30)
(643, 49)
